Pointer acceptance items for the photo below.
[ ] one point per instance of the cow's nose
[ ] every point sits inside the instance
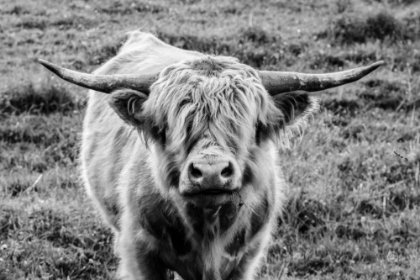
(211, 175)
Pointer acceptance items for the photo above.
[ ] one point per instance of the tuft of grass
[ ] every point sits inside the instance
(384, 25)
(256, 35)
(352, 28)
(402, 2)
(16, 10)
(32, 22)
(304, 215)
(79, 23)
(120, 8)
(44, 98)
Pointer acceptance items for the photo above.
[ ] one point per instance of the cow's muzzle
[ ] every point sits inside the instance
(211, 178)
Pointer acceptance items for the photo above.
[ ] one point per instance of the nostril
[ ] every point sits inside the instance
(195, 172)
(227, 171)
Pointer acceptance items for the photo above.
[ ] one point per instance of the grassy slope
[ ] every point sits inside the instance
(354, 203)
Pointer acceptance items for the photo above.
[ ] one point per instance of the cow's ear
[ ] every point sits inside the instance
(295, 107)
(128, 104)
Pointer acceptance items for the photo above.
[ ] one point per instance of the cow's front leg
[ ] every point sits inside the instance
(139, 261)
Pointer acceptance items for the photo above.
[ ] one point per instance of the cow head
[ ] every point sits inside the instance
(207, 116)
(211, 122)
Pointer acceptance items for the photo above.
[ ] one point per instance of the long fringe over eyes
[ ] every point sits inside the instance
(216, 95)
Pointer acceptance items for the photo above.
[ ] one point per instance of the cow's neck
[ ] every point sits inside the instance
(209, 224)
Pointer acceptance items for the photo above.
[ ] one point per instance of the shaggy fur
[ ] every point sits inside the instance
(227, 101)
(136, 150)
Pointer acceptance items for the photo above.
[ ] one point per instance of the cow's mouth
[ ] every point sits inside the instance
(210, 198)
(210, 192)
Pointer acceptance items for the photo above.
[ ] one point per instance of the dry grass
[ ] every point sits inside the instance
(355, 174)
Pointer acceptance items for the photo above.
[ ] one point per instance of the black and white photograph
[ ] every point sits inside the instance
(210, 139)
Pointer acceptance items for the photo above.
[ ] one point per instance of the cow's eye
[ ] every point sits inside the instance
(261, 133)
(258, 133)
(158, 134)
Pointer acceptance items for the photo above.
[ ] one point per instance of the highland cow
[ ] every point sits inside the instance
(182, 158)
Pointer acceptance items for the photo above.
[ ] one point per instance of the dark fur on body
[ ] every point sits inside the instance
(135, 153)
(183, 253)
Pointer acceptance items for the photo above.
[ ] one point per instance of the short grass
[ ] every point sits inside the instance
(354, 174)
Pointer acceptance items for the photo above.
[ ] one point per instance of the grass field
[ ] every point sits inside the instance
(354, 175)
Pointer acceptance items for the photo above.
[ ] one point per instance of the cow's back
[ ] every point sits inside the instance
(109, 144)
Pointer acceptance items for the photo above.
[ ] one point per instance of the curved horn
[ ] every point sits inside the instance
(280, 82)
(103, 83)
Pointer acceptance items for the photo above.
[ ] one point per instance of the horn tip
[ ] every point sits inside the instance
(378, 64)
(44, 62)
(53, 68)
(370, 68)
